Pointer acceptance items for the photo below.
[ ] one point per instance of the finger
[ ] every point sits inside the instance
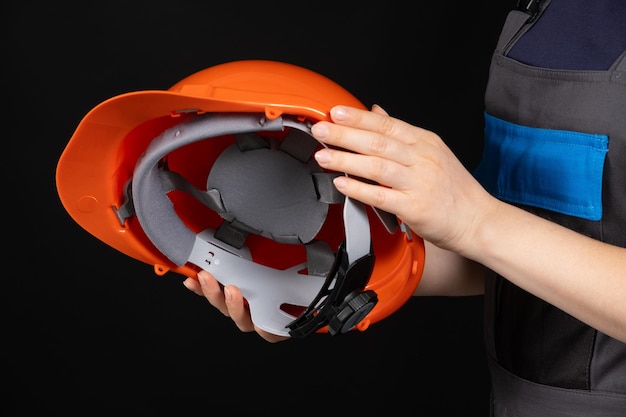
(377, 109)
(362, 142)
(240, 314)
(270, 337)
(193, 285)
(238, 308)
(212, 290)
(377, 169)
(399, 149)
(375, 121)
(230, 302)
(384, 198)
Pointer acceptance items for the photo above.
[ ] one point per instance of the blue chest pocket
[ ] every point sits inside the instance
(557, 170)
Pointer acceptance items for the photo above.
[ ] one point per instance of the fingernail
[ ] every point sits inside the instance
(338, 113)
(379, 109)
(322, 156)
(201, 279)
(340, 183)
(319, 130)
(227, 295)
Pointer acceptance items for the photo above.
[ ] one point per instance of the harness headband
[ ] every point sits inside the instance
(270, 289)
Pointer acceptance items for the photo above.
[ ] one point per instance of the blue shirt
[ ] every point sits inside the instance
(573, 34)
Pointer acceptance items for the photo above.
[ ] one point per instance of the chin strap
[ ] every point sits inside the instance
(345, 304)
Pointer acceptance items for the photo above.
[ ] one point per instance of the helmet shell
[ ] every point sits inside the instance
(98, 162)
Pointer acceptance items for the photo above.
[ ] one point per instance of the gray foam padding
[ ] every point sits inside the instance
(153, 208)
(270, 191)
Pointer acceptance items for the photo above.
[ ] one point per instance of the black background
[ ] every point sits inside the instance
(90, 331)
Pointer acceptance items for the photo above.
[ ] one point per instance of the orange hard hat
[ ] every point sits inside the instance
(216, 173)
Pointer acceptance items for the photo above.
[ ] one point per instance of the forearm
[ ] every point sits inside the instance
(582, 276)
(449, 274)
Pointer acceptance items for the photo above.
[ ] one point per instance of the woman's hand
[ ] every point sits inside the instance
(425, 184)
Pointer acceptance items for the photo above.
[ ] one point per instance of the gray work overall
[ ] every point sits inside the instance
(555, 145)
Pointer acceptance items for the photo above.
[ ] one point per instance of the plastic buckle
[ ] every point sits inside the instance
(346, 304)
(530, 7)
